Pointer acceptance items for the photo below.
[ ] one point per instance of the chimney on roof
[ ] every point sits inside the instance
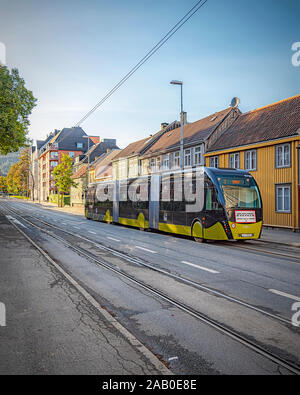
(184, 114)
(163, 125)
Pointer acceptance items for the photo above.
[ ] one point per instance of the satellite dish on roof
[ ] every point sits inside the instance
(235, 102)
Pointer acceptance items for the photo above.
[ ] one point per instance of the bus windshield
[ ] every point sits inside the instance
(240, 192)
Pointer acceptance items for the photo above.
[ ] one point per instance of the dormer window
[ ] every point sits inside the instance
(79, 145)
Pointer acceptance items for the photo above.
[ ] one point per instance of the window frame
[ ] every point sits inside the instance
(176, 158)
(235, 155)
(283, 186)
(277, 146)
(188, 156)
(152, 163)
(250, 151)
(200, 153)
(166, 160)
(214, 159)
(54, 155)
(158, 163)
(53, 164)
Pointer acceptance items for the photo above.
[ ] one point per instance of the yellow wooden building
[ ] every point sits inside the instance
(266, 142)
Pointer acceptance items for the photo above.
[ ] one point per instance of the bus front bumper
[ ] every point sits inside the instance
(245, 231)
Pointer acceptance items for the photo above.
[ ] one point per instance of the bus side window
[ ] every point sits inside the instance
(208, 200)
(212, 200)
(165, 198)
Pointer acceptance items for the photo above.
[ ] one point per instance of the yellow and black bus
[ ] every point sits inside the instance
(202, 202)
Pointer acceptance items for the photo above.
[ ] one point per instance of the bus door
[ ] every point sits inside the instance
(116, 201)
(179, 204)
(166, 200)
(154, 201)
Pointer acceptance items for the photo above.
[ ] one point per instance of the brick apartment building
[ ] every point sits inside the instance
(47, 155)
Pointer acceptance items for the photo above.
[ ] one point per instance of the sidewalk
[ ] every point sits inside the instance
(51, 328)
(53, 206)
(281, 236)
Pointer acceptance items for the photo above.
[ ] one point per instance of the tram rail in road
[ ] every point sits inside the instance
(140, 262)
(196, 314)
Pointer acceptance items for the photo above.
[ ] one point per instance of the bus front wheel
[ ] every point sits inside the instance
(197, 232)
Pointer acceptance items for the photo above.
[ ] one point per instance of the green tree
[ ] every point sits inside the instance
(15, 180)
(16, 104)
(63, 177)
(25, 168)
(3, 184)
(19, 174)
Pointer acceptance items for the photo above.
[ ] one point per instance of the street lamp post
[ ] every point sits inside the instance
(174, 82)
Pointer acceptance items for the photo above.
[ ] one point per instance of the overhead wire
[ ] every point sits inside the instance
(148, 55)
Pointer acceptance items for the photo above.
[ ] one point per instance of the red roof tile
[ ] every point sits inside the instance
(192, 132)
(137, 147)
(80, 172)
(277, 120)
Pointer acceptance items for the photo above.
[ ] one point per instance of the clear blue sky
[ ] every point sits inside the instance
(71, 52)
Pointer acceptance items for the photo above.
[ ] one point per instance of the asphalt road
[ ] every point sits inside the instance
(188, 345)
(240, 273)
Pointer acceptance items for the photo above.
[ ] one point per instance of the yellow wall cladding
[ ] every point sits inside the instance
(267, 176)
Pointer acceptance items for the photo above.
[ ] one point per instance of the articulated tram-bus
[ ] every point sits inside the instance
(204, 203)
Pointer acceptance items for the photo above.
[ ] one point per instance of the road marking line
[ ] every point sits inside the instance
(146, 249)
(200, 267)
(112, 238)
(274, 291)
(94, 233)
(16, 221)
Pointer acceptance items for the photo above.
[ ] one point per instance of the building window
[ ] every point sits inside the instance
(152, 164)
(166, 162)
(176, 159)
(54, 154)
(122, 164)
(234, 160)
(198, 155)
(158, 160)
(187, 157)
(144, 165)
(54, 163)
(79, 145)
(214, 161)
(283, 155)
(71, 154)
(132, 167)
(283, 198)
(250, 160)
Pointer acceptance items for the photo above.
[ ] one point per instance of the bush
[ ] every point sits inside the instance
(54, 197)
(19, 197)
